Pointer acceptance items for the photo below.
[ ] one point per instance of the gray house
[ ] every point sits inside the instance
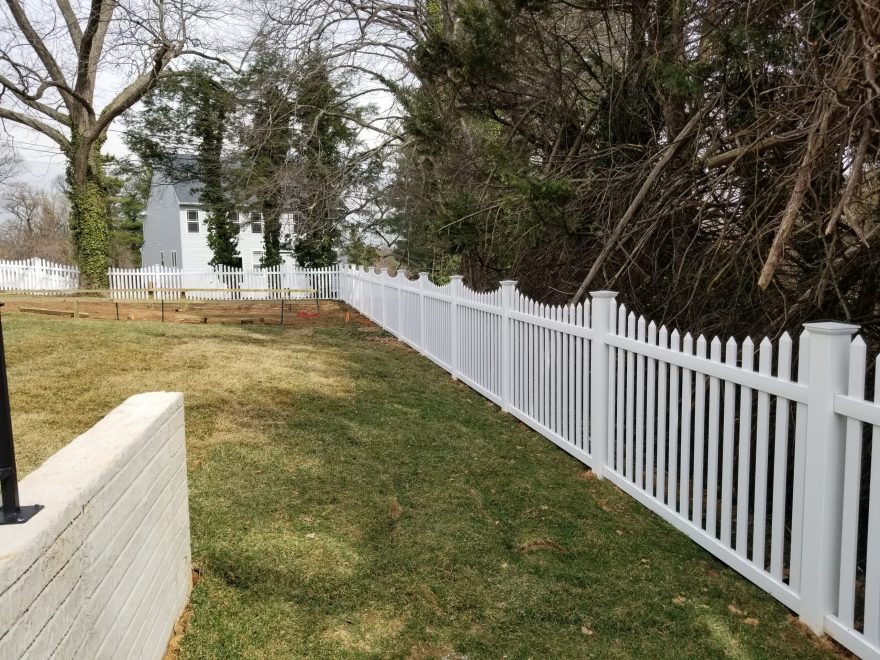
(175, 233)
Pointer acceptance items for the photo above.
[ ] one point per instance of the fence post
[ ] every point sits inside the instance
(600, 322)
(423, 277)
(828, 376)
(399, 280)
(383, 276)
(455, 287)
(508, 287)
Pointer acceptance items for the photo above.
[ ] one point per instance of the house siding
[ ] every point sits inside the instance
(160, 235)
(163, 235)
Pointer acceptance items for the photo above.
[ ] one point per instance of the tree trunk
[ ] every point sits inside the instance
(89, 215)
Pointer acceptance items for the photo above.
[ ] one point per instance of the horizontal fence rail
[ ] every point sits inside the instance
(37, 276)
(762, 454)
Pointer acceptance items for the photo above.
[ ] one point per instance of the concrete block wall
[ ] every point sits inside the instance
(104, 570)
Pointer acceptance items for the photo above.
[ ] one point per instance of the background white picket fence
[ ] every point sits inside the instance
(760, 465)
(223, 283)
(37, 276)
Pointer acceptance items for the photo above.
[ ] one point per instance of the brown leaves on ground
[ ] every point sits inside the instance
(536, 544)
(746, 619)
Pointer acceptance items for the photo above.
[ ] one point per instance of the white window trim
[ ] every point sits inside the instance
(190, 221)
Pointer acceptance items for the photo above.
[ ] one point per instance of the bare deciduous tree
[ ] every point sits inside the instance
(52, 59)
(35, 224)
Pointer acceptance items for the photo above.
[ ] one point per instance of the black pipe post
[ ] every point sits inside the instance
(12, 512)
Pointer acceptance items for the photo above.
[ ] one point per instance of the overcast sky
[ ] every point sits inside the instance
(41, 160)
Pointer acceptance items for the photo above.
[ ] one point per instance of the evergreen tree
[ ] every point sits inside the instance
(266, 90)
(325, 135)
(190, 113)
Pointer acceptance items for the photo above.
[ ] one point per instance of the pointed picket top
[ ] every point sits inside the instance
(857, 359)
(631, 325)
(748, 354)
(716, 344)
(877, 381)
(642, 325)
(675, 339)
(730, 352)
(701, 346)
(689, 343)
(652, 333)
(766, 343)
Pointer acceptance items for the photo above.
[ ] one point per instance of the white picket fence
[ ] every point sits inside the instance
(223, 283)
(37, 276)
(760, 466)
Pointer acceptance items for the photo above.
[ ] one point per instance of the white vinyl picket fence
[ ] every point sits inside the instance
(760, 465)
(223, 283)
(37, 276)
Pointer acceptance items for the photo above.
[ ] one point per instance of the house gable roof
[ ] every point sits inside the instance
(188, 192)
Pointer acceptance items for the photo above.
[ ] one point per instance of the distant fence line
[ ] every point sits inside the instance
(37, 276)
(763, 467)
(224, 283)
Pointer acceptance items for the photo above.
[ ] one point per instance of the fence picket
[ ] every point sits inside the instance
(744, 453)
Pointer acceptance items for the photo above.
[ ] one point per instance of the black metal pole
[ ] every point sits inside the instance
(12, 512)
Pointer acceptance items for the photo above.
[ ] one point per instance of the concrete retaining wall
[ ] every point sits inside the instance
(104, 570)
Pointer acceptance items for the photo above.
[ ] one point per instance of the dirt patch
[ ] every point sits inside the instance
(297, 313)
(172, 651)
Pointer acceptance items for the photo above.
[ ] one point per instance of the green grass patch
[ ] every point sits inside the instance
(349, 499)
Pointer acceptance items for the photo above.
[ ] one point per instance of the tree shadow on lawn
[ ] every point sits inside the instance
(408, 517)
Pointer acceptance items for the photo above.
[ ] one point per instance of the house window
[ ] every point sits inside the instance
(256, 222)
(258, 257)
(192, 222)
(161, 258)
(235, 220)
(173, 259)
